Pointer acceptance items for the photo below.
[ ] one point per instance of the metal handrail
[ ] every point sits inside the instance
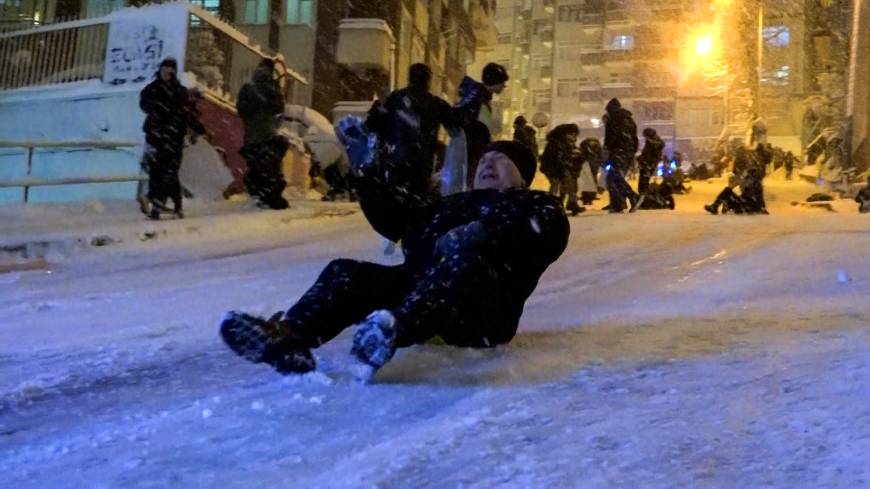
(28, 182)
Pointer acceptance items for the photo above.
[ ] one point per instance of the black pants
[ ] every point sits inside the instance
(564, 187)
(459, 299)
(618, 189)
(730, 201)
(162, 164)
(264, 178)
(646, 172)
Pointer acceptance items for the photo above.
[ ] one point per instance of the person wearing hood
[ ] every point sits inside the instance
(649, 158)
(620, 141)
(472, 259)
(525, 135)
(407, 124)
(474, 110)
(169, 114)
(260, 106)
(561, 163)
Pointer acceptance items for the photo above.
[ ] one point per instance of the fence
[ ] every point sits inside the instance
(57, 53)
(29, 181)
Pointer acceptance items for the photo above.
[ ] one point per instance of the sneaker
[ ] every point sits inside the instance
(155, 214)
(711, 209)
(265, 341)
(374, 342)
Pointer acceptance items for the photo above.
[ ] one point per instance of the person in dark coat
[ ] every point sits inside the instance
(169, 114)
(525, 135)
(591, 157)
(474, 109)
(657, 196)
(863, 198)
(406, 125)
(260, 106)
(471, 261)
(561, 163)
(649, 158)
(749, 201)
(620, 141)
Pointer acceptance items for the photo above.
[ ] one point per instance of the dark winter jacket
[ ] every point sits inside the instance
(525, 135)
(169, 113)
(473, 96)
(651, 153)
(259, 105)
(658, 196)
(752, 194)
(863, 199)
(561, 156)
(620, 135)
(520, 232)
(406, 124)
(590, 150)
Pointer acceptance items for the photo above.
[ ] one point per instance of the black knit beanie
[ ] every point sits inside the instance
(494, 73)
(521, 156)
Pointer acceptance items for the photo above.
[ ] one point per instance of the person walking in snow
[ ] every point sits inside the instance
(525, 135)
(749, 201)
(620, 141)
(406, 125)
(471, 261)
(561, 164)
(649, 158)
(169, 114)
(474, 109)
(260, 106)
(591, 156)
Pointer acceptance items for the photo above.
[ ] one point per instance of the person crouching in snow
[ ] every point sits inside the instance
(750, 200)
(471, 261)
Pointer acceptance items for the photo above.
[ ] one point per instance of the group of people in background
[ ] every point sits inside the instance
(407, 123)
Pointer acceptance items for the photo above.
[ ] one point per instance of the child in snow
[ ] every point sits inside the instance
(471, 261)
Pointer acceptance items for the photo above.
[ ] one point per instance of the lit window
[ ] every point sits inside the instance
(300, 11)
(622, 41)
(776, 35)
(256, 11)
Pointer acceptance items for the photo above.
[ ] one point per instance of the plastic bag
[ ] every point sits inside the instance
(454, 175)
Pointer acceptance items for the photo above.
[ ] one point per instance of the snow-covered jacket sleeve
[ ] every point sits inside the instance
(537, 230)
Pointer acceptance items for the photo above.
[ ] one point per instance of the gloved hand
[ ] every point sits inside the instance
(359, 144)
(461, 238)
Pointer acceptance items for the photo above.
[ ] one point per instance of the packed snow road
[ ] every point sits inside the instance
(663, 349)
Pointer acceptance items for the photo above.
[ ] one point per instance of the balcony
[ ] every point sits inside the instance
(546, 37)
(619, 56)
(592, 20)
(591, 59)
(617, 17)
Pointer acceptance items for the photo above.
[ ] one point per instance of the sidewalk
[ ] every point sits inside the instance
(32, 235)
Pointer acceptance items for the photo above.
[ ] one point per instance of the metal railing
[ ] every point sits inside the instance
(29, 181)
(57, 53)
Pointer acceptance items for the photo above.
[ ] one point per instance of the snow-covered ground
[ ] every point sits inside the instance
(664, 349)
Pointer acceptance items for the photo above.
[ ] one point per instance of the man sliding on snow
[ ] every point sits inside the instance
(471, 261)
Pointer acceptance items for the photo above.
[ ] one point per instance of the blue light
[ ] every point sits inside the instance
(607, 168)
(660, 172)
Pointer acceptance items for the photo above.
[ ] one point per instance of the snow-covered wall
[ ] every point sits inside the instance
(93, 110)
(89, 111)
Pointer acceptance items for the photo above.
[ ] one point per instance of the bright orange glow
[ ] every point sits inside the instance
(704, 45)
